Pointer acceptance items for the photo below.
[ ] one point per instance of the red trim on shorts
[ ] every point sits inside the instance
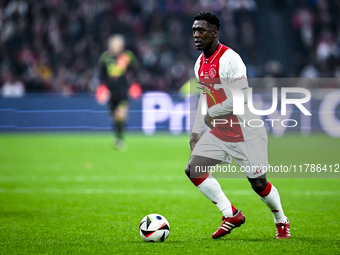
(266, 191)
(197, 181)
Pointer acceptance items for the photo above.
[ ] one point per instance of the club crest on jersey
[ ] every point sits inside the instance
(212, 72)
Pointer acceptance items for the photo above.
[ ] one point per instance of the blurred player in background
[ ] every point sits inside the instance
(247, 145)
(113, 67)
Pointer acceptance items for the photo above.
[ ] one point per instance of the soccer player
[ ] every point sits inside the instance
(112, 69)
(246, 145)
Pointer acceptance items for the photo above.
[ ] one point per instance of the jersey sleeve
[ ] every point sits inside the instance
(133, 64)
(101, 68)
(233, 69)
(132, 57)
(199, 119)
(197, 67)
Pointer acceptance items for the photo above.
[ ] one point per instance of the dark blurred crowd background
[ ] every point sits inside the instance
(54, 45)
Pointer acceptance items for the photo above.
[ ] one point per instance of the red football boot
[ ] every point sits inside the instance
(228, 224)
(283, 230)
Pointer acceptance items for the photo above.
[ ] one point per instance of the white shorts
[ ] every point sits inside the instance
(251, 156)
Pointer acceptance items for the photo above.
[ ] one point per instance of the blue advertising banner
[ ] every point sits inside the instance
(156, 111)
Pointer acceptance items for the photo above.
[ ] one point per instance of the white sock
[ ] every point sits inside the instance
(213, 191)
(273, 202)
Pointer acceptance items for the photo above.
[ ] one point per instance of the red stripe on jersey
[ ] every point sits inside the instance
(208, 73)
(266, 191)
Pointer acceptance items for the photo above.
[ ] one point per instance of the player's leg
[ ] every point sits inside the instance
(119, 117)
(254, 159)
(270, 196)
(197, 171)
(113, 105)
(206, 154)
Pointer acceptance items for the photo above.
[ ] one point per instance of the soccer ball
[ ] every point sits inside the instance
(154, 228)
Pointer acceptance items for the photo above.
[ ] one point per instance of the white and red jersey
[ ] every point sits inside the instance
(226, 67)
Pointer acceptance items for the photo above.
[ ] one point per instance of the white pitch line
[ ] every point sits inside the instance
(92, 191)
(98, 178)
(152, 191)
(92, 178)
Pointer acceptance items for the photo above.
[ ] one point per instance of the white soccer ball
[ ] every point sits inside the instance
(154, 228)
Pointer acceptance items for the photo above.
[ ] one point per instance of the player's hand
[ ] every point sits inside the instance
(194, 139)
(208, 121)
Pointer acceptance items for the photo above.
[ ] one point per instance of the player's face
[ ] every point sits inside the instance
(204, 34)
(116, 46)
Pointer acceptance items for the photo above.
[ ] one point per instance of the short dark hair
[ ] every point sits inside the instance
(209, 17)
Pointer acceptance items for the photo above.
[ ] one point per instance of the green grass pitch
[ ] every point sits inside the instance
(73, 193)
